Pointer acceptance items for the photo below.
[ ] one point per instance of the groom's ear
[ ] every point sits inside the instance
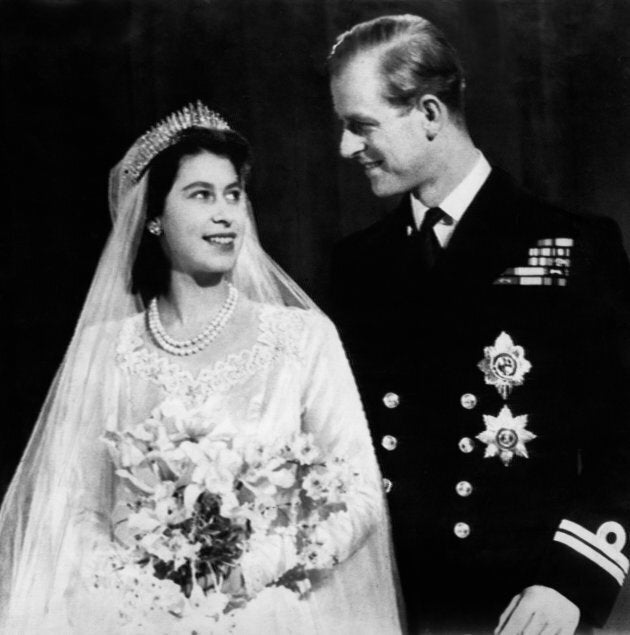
(432, 113)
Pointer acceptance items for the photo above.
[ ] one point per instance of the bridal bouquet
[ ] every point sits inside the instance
(212, 519)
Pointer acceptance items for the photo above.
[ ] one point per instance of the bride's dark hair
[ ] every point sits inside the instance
(150, 274)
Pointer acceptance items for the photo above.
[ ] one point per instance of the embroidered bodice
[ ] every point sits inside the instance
(278, 335)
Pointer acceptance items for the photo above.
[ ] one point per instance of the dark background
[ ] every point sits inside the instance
(548, 100)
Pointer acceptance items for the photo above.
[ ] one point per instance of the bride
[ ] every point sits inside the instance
(187, 310)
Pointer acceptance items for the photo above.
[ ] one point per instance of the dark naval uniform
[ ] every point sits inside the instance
(496, 386)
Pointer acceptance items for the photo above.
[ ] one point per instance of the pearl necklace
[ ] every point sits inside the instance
(198, 342)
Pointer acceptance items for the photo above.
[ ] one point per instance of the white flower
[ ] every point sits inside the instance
(259, 514)
(163, 442)
(283, 477)
(191, 495)
(209, 419)
(143, 521)
(305, 450)
(130, 454)
(282, 492)
(315, 484)
(253, 450)
(172, 408)
(230, 507)
(171, 512)
(216, 465)
(323, 538)
(140, 480)
(142, 432)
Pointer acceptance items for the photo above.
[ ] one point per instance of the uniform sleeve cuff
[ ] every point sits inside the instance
(586, 569)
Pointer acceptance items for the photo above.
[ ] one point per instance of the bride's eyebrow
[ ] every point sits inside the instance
(195, 184)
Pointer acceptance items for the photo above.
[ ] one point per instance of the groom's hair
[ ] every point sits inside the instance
(415, 59)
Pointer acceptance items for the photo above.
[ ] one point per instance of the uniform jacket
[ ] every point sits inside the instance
(478, 517)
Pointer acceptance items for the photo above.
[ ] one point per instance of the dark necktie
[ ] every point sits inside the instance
(425, 242)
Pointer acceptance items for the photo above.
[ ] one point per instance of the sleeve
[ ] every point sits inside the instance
(588, 559)
(332, 412)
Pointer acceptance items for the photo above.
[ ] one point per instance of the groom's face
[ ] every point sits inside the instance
(389, 142)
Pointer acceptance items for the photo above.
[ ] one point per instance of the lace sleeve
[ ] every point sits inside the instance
(332, 412)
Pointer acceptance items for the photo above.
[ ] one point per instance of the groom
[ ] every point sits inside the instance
(489, 332)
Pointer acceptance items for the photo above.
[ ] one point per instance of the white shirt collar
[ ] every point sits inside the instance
(458, 201)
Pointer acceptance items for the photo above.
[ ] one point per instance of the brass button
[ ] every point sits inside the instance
(389, 442)
(468, 401)
(464, 488)
(466, 445)
(391, 400)
(462, 530)
(387, 485)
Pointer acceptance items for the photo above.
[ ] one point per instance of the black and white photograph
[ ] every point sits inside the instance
(318, 317)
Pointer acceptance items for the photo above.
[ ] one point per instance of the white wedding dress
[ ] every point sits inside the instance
(277, 367)
(273, 371)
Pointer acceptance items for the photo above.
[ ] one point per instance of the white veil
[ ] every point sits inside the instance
(59, 500)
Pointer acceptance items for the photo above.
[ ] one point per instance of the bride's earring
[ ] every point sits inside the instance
(154, 226)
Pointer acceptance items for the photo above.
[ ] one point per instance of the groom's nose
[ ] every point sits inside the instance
(350, 144)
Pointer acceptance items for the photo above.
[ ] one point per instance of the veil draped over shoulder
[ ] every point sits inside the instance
(58, 505)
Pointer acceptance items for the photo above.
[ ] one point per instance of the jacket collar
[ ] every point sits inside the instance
(495, 233)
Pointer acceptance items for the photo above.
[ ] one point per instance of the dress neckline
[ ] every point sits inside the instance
(278, 330)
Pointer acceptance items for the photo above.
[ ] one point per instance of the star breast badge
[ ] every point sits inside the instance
(505, 436)
(504, 364)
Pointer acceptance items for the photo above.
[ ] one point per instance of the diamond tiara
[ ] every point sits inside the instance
(164, 133)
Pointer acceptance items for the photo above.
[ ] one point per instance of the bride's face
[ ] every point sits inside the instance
(204, 216)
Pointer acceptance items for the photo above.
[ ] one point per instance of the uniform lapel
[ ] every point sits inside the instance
(394, 241)
(494, 233)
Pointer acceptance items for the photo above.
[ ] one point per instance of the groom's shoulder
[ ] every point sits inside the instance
(391, 228)
(531, 207)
